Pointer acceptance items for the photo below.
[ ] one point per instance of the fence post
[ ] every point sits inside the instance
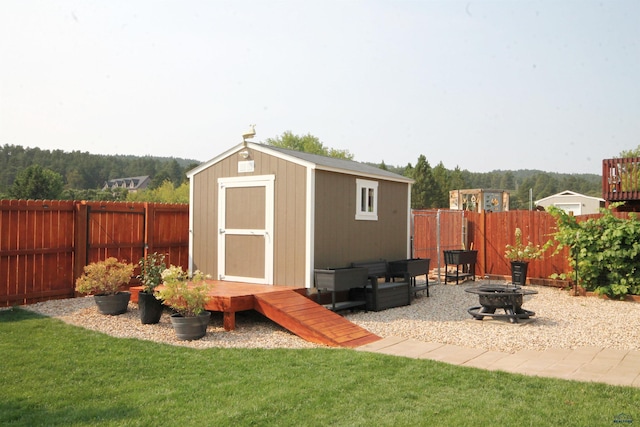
(80, 239)
(149, 238)
(482, 223)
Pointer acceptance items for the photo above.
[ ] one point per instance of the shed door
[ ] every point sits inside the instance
(245, 229)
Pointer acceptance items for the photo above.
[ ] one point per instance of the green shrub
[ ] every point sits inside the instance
(104, 277)
(605, 251)
(186, 296)
(151, 268)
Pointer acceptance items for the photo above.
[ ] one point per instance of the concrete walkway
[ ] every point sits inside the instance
(590, 364)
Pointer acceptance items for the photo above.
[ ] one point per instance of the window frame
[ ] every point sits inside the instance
(370, 211)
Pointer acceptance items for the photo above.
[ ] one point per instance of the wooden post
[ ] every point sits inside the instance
(149, 238)
(229, 320)
(482, 224)
(80, 239)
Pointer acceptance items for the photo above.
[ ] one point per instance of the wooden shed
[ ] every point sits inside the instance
(479, 200)
(263, 214)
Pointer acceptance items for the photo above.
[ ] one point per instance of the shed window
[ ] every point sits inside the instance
(366, 200)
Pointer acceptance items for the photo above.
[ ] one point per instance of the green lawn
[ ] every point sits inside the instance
(57, 374)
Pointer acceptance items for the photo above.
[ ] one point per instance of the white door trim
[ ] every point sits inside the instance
(266, 181)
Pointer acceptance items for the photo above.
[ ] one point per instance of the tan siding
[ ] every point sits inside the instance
(289, 215)
(341, 239)
(335, 207)
(289, 268)
(205, 222)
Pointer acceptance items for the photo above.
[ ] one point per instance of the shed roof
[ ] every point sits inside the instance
(309, 160)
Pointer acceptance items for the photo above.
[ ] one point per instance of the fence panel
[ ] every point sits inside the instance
(536, 226)
(44, 245)
(488, 233)
(435, 231)
(166, 225)
(36, 250)
(115, 229)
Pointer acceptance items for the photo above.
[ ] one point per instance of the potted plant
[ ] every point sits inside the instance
(104, 279)
(151, 268)
(187, 297)
(520, 254)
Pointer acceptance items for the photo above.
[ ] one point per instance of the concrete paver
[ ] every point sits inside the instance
(487, 360)
(380, 344)
(563, 370)
(411, 348)
(453, 354)
(611, 366)
(584, 354)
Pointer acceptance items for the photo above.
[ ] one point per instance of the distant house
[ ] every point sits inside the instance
(573, 203)
(132, 184)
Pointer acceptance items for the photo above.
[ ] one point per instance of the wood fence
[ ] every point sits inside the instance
(45, 244)
(435, 231)
(489, 233)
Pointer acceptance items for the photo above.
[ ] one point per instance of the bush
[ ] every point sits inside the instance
(188, 298)
(605, 251)
(104, 277)
(151, 268)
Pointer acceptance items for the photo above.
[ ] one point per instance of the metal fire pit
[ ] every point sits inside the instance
(506, 297)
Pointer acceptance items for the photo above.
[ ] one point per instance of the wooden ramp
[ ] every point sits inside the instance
(311, 321)
(287, 306)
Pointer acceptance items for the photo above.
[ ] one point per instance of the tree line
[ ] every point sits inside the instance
(432, 184)
(39, 174)
(43, 174)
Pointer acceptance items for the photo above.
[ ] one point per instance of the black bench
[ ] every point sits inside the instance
(336, 280)
(383, 295)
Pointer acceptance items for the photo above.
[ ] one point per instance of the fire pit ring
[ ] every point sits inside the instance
(506, 297)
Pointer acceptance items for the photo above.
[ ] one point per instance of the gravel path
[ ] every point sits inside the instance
(561, 321)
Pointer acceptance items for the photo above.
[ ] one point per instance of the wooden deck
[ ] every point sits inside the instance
(287, 306)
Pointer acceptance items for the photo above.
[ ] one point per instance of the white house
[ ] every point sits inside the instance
(572, 202)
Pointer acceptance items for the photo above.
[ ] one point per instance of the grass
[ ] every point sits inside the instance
(56, 374)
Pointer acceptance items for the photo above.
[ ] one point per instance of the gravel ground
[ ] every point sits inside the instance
(561, 321)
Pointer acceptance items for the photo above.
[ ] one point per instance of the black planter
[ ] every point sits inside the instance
(190, 328)
(150, 308)
(113, 304)
(519, 272)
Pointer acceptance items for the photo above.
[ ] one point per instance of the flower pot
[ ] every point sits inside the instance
(114, 303)
(150, 308)
(190, 328)
(519, 272)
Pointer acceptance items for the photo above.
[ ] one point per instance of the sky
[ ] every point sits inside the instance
(481, 85)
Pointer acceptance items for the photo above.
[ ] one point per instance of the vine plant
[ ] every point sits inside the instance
(607, 251)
